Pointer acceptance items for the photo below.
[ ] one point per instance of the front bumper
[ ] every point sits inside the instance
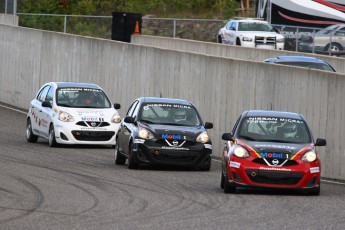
(76, 134)
(243, 173)
(151, 153)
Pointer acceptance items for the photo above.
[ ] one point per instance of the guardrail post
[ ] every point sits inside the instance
(174, 29)
(65, 24)
(297, 39)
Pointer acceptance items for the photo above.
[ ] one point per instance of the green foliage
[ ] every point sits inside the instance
(211, 9)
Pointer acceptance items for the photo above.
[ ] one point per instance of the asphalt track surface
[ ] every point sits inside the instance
(79, 187)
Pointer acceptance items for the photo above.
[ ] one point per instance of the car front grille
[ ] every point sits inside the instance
(262, 161)
(92, 123)
(260, 40)
(92, 135)
(179, 156)
(273, 177)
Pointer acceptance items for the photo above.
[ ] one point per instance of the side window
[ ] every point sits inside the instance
(136, 110)
(236, 124)
(131, 109)
(228, 25)
(50, 95)
(42, 94)
(234, 25)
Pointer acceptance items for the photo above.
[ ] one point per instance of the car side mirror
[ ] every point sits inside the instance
(320, 142)
(117, 106)
(129, 120)
(46, 104)
(227, 136)
(208, 125)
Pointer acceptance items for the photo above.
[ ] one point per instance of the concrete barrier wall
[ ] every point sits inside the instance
(221, 88)
(222, 50)
(8, 19)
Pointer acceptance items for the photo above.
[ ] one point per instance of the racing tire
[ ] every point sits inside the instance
(222, 180)
(315, 192)
(219, 39)
(119, 158)
(51, 137)
(228, 187)
(30, 136)
(131, 161)
(207, 166)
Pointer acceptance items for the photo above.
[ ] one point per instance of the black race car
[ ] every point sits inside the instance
(163, 131)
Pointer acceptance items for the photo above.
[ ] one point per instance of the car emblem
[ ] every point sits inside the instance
(93, 124)
(275, 162)
(175, 142)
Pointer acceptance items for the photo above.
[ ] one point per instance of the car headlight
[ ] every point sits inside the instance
(309, 156)
(280, 40)
(145, 134)
(66, 117)
(203, 137)
(241, 152)
(247, 39)
(116, 118)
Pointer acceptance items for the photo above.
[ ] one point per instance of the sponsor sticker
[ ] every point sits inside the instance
(208, 146)
(273, 155)
(174, 148)
(139, 141)
(315, 170)
(173, 136)
(168, 106)
(92, 119)
(275, 169)
(235, 164)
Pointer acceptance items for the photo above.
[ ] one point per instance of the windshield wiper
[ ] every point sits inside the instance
(247, 138)
(147, 121)
(65, 105)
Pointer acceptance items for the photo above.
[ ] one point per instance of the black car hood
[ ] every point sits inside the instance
(174, 132)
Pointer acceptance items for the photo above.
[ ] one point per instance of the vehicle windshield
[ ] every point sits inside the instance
(320, 66)
(82, 98)
(254, 26)
(328, 29)
(169, 114)
(274, 129)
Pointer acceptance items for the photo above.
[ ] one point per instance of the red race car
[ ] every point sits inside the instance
(271, 149)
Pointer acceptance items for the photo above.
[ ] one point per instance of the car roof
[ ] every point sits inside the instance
(164, 100)
(299, 58)
(76, 84)
(272, 113)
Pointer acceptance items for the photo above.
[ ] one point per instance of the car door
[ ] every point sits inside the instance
(232, 33)
(126, 129)
(47, 112)
(36, 110)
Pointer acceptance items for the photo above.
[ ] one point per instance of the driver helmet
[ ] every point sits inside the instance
(289, 129)
(180, 115)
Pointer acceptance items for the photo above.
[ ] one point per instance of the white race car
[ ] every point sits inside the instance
(72, 113)
(251, 33)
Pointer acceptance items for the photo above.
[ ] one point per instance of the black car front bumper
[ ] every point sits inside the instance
(151, 153)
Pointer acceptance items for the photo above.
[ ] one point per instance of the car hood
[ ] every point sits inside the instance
(174, 132)
(90, 114)
(275, 147)
(260, 33)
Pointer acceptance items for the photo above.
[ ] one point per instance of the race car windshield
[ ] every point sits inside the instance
(82, 98)
(274, 129)
(169, 114)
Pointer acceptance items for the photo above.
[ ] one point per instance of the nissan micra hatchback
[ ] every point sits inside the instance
(72, 113)
(271, 149)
